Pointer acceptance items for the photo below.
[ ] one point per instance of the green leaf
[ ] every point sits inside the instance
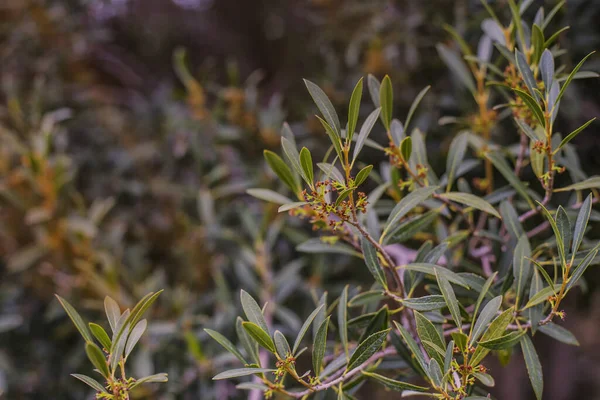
(487, 314)
(564, 227)
(485, 379)
(227, 345)
(521, 267)
(542, 295)
(281, 170)
(460, 339)
(307, 165)
(373, 85)
(580, 269)
(291, 206)
(118, 346)
(533, 105)
(449, 356)
(581, 223)
(425, 303)
(96, 356)
(305, 327)
(538, 42)
(378, 322)
(247, 343)
(406, 230)
(319, 346)
(510, 219)
(253, 311)
(342, 316)
(76, 318)
(324, 105)
(495, 330)
(113, 312)
(537, 160)
(526, 74)
(559, 333)
(456, 154)
(547, 68)
(508, 174)
(432, 269)
(571, 76)
(364, 133)
(504, 342)
(365, 298)
(413, 346)
(235, 373)
(413, 107)
(362, 175)
(269, 195)
(590, 183)
(514, 10)
(366, 349)
(450, 298)
(572, 135)
(156, 378)
(471, 201)
(435, 373)
(100, 334)
(281, 345)
(331, 171)
(316, 245)
(353, 108)
(406, 148)
(289, 148)
(333, 137)
(405, 205)
(370, 254)
(386, 100)
(534, 135)
(394, 384)
(258, 334)
(94, 384)
(557, 233)
(534, 368)
(135, 335)
(430, 337)
(457, 66)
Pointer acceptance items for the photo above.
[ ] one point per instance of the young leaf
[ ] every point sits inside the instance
(333, 137)
(533, 105)
(94, 384)
(353, 108)
(495, 330)
(113, 312)
(366, 349)
(397, 132)
(542, 295)
(96, 356)
(581, 223)
(456, 154)
(342, 315)
(235, 373)
(118, 346)
(227, 345)
(305, 327)
(430, 337)
(394, 384)
(365, 130)
(406, 148)
(253, 311)
(372, 262)
(307, 165)
(534, 368)
(324, 105)
(487, 314)
(100, 334)
(471, 200)
(281, 345)
(450, 298)
(76, 318)
(261, 337)
(373, 85)
(386, 100)
(319, 346)
(414, 105)
(281, 170)
(362, 175)
(522, 266)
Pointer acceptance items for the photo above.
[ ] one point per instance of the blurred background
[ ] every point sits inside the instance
(130, 130)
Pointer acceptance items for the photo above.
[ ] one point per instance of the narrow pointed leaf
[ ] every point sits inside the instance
(365, 131)
(571, 76)
(425, 303)
(430, 337)
(494, 331)
(394, 384)
(342, 316)
(386, 100)
(227, 345)
(235, 373)
(307, 165)
(559, 333)
(581, 223)
(572, 135)
(96, 357)
(471, 201)
(370, 254)
(281, 170)
(94, 384)
(450, 298)
(414, 105)
(100, 334)
(456, 154)
(113, 312)
(281, 345)
(135, 335)
(407, 204)
(353, 108)
(304, 328)
(504, 342)
(319, 346)
(366, 349)
(76, 318)
(487, 314)
(253, 311)
(522, 266)
(324, 105)
(534, 368)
